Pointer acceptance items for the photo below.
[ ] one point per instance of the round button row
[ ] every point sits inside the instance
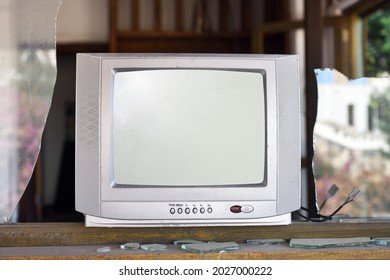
(187, 210)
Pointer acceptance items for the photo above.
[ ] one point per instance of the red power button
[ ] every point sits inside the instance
(235, 209)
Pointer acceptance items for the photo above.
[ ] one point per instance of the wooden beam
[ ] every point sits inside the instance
(135, 15)
(364, 8)
(183, 42)
(73, 48)
(282, 26)
(245, 15)
(179, 14)
(223, 8)
(157, 15)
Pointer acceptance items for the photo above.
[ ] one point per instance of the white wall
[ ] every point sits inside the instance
(83, 20)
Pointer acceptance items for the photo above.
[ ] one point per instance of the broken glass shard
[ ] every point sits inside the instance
(187, 241)
(382, 241)
(352, 143)
(130, 246)
(352, 220)
(317, 243)
(153, 247)
(265, 241)
(103, 249)
(215, 247)
(27, 76)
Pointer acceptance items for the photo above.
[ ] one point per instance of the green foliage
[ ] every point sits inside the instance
(378, 51)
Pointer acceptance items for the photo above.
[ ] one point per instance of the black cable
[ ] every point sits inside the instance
(308, 218)
(321, 218)
(314, 217)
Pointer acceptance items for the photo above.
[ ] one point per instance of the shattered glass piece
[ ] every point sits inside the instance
(187, 241)
(215, 247)
(266, 241)
(352, 143)
(353, 220)
(317, 243)
(382, 241)
(27, 76)
(130, 246)
(103, 249)
(153, 247)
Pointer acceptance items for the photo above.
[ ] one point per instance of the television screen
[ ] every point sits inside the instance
(188, 127)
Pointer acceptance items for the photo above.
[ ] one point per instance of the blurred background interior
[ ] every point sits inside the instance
(352, 36)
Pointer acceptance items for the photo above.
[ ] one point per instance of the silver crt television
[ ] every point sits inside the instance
(187, 139)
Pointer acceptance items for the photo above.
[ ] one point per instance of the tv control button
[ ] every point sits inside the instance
(180, 210)
(247, 208)
(202, 210)
(187, 210)
(209, 210)
(194, 210)
(172, 211)
(236, 209)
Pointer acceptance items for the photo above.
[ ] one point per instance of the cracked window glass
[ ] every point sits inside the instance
(352, 144)
(27, 76)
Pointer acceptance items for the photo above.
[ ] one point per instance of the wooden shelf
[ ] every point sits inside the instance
(181, 34)
(180, 42)
(200, 39)
(78, 47)
(75, 241)
(64, 234)
(245, 252)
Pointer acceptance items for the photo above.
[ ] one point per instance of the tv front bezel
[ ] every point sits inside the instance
(186, 193)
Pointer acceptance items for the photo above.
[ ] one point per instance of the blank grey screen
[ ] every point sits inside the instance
(188, 127)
